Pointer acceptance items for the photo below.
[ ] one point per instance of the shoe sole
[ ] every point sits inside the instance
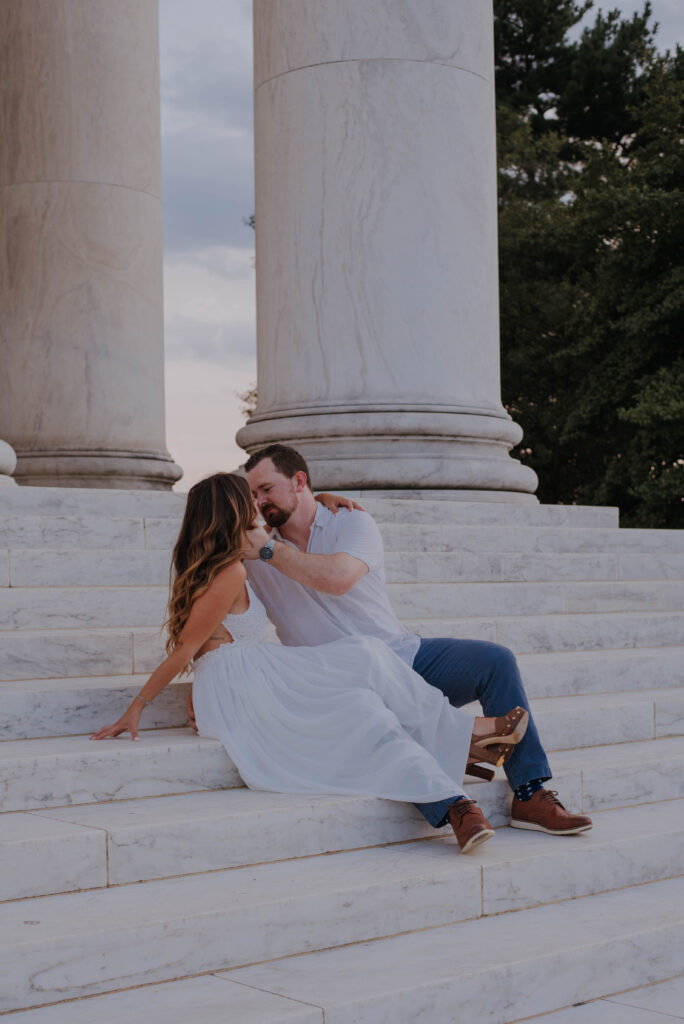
(479, 837)
(510, 739)
(550, 831)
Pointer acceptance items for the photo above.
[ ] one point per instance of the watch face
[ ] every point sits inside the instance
(266, 553)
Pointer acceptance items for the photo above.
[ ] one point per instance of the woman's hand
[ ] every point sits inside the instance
(190, 711)
(127, 723)
(333, 502)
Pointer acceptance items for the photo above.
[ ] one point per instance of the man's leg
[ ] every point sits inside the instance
(475, 670)
(468, 670)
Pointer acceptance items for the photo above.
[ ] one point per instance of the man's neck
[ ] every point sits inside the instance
(298, 526)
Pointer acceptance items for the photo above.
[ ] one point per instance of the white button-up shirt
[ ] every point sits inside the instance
(306, 617)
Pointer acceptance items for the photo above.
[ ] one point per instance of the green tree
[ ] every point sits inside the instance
(590, 224)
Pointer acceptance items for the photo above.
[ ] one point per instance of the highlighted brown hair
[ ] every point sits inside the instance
(218, 511)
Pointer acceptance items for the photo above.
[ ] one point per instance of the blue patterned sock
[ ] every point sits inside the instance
(527, 790)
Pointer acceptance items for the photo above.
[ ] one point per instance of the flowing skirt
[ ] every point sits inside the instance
(346, 717)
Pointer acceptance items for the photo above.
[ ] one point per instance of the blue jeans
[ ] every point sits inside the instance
(469, 670)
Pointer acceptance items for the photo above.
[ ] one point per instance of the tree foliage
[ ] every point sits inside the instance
(591, 221)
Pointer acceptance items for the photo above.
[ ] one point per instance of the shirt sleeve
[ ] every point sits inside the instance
(357, 534)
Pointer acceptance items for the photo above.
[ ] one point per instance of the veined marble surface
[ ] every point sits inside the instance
(200, 1000)
(156, 931)
(35, 655)
(534, 964)
(563, 673)
(82, 93)
(39, 856)
(72, 531)
(82, 607)
(30, 709)
(76, 770)
(307, 32)
(83, 567)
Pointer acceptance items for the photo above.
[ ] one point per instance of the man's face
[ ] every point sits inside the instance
(276, 495)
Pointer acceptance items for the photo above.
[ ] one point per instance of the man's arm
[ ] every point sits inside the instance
(332, 574)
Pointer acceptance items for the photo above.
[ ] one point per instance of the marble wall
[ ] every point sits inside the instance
(81, 392)
(377, 313)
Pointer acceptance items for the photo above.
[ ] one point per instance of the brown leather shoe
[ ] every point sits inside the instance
(544, 812)
(469, 824)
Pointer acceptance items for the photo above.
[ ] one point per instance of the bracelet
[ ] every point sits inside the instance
(145, 702)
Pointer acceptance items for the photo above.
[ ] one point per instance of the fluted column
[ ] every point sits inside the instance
(81, 389)
(377, 309)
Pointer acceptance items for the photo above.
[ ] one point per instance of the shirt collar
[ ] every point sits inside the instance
(322, 514)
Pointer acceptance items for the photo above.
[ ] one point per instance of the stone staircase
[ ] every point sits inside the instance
(259, 908)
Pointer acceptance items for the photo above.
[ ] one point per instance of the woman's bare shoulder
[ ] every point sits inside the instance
(230, 576)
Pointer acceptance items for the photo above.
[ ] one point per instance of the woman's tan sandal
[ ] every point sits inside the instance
(508, 729)
(496, 754)
(478, 771)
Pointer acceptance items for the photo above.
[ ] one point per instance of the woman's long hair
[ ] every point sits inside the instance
(218, 512)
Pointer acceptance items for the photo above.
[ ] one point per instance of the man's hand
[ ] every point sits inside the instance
(254, 542)
(191, 711)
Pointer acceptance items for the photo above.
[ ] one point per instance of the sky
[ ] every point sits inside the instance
(208, 189)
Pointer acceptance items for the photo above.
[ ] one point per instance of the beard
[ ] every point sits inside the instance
(276, 515)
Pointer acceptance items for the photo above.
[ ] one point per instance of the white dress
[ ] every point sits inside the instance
(345, 717)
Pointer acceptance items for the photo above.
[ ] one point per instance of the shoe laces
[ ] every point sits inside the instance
(551, 797)
(461, 807)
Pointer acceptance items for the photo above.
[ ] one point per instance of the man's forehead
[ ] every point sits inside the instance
(264, 473)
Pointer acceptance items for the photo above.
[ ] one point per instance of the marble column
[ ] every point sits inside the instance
(8, 463)
(81, 328)
(377, 303)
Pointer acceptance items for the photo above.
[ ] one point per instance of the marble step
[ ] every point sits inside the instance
(30, 567)
(625, 774)
(57, 707)
(500, 599)
(42, 773)
(89, 501)
(98, 607)
(519, 539)
(215, 998)
(211, 999)
(544, 634)
(67, 608)
(498, 969)
(623, 671)
(483, 567)
(73, 531)
(81, 567)
(86, 501)
(31, 709)
(57, 653)
(71, 848)
(650, 1004)
(426, 511)
(160, 532)
(39, 773)
(56, 946)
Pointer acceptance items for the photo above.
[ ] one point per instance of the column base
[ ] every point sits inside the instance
(405, 450)
(116, 470)
(8, 462)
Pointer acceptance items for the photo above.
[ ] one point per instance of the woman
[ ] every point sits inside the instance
(345, 717)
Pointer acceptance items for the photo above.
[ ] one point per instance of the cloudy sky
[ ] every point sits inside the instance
(206, 71)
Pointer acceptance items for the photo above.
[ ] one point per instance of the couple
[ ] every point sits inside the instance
(341, 707)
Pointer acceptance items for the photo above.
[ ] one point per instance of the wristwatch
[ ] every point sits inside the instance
(266, 553)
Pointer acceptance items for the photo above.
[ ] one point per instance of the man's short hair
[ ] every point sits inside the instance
(286, 460)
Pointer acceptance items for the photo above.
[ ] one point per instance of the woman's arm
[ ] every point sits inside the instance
(333, 502)
(207, 612)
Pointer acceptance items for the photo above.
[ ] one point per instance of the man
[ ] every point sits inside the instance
(321, 577)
